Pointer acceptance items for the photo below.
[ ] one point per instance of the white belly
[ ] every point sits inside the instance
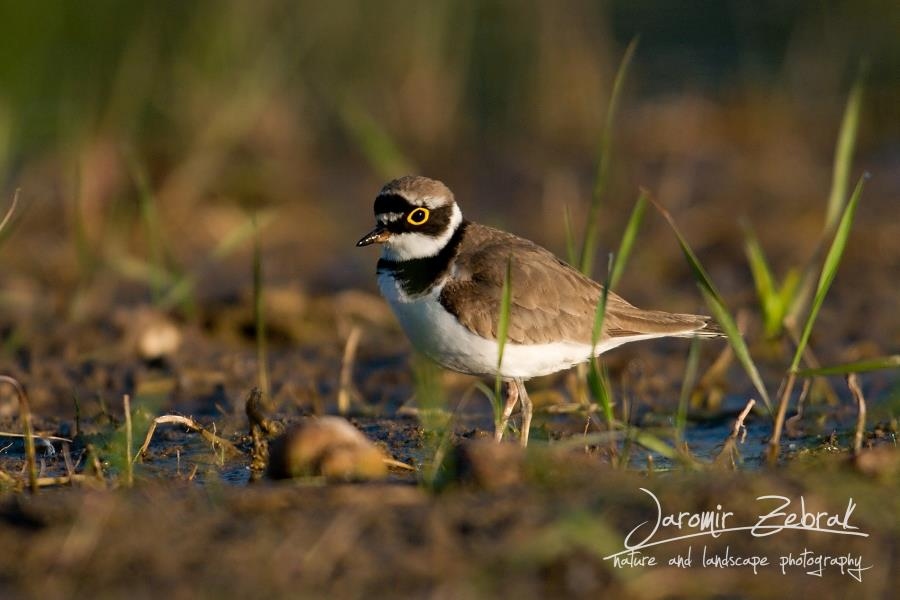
(437, 334)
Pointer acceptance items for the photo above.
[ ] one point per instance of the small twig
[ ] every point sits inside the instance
(129, 471)
(344, 390)
(37, 436)
(739, 422)
(67, 458)
(62, 480)
(43, 440)
(794, 428)
(25, 412)
(775, 442)
(12, 209)
(587, 427)
(853, 384)
(729, 450)
(191, 424)
(391, 462)
(571, 408)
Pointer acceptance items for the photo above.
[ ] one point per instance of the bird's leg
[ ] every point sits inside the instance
(512, 396)
(527, 410)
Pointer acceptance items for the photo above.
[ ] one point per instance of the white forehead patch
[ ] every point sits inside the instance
(390, 217)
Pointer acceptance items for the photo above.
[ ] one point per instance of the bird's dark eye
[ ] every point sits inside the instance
(418, 216)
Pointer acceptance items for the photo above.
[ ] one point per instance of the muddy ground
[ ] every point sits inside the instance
(194, 524)
(86, 320)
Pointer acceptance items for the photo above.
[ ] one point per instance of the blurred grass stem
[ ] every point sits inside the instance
(853, 384)
(129, 467)
(262, 372)
(27, 429)
(12, 209)
(604, 160)
(345, 388)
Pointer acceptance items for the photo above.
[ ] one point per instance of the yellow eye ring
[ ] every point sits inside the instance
(418, 216)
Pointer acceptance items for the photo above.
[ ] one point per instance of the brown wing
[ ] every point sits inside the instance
(551, 301)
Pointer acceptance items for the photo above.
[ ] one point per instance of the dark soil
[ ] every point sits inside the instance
(197, 522)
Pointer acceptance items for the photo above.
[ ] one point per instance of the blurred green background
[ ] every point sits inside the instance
(143, 134)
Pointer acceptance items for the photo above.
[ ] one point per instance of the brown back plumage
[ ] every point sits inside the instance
(551, 301)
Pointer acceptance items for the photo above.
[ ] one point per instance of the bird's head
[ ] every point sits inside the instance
(415, 218)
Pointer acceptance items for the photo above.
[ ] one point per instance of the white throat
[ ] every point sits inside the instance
(407, 246)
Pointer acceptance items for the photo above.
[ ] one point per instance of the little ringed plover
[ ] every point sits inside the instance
(443, 277)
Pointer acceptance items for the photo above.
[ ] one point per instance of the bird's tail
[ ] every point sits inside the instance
(706, 327)
(655, 323)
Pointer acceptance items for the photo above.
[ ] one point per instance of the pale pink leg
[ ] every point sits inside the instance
(512, 396)
(527, 411)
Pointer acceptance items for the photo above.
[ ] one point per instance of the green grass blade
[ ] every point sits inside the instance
(604, 159)
(597, 380)
(788, 291)
(759, 266)
(505, 305)
(374, 142)
(687, 386)
(138, 269)
(600, 311)
(85, 253)
(437, 422)
(430, 398)
(829, 269)
(860, 366)
(502, 332)
(697, 269)
(152, 224)
(769, 299)
(843, 162)
(654, 444)
(843, 154)
(627, 243)
(729, 326)
(718, 309)
(484, 389)
(183, 288)
(237, 236)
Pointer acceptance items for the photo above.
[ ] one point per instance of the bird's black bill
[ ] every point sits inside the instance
(376, 236)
